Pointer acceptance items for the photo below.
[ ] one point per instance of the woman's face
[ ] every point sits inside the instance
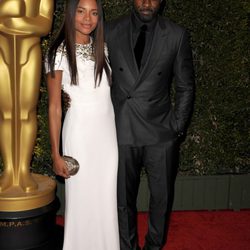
(86, 19)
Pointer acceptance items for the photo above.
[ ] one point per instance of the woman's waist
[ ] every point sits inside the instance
(83, 114)
(100, 107)
(90, 102)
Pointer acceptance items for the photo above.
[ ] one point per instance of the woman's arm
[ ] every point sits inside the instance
(55, 116)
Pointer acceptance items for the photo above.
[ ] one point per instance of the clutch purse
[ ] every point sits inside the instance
(72, 164)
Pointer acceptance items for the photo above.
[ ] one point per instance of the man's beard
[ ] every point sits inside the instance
(146, 14)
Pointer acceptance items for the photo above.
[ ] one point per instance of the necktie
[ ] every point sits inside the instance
(140, 45)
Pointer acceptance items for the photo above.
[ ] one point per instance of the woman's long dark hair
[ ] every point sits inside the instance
(66, 35)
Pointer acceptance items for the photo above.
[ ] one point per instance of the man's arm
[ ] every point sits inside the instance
(184, 76)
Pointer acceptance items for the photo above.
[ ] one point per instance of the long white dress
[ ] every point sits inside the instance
(89, 135)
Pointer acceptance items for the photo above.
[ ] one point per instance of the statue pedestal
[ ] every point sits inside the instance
(27, 220)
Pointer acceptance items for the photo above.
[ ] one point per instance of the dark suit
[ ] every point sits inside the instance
(148, 126)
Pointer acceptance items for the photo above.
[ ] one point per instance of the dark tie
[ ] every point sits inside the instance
(140, 45)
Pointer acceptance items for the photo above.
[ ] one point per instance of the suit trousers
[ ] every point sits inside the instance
(160, 162)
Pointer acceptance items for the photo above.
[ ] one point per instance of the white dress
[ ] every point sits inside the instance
(89, 135)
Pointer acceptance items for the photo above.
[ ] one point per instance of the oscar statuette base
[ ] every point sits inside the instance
(27, 220)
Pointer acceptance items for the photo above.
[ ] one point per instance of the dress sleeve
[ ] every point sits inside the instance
(58, 61)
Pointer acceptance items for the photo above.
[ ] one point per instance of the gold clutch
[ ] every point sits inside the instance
(72, 164)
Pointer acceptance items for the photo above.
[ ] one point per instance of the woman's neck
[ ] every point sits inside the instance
(83, 40)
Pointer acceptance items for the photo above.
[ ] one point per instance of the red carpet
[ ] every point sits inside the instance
(203, 230)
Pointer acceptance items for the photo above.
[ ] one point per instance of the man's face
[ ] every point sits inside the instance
(147, 9)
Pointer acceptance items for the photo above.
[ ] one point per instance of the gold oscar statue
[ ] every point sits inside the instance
(22, 23)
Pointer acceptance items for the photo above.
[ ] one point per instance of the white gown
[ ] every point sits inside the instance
(89, 135)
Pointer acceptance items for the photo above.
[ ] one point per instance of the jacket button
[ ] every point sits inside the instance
(128, 97)
(121, 69)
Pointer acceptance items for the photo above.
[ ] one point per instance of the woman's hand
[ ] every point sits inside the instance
(59, 167)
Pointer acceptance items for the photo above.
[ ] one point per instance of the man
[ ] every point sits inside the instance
(147, 52)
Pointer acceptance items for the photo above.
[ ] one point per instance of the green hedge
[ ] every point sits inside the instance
(218, 137)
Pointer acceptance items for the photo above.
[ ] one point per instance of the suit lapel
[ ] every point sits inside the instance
(125, 38)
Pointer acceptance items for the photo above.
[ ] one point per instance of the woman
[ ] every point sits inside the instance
(77, 64)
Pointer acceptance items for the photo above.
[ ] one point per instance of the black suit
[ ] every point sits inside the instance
(148, 126)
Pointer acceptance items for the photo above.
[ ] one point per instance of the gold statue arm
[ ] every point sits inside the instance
(12, 8)
(37, 25)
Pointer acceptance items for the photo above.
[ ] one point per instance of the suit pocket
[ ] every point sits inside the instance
(151, 110)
